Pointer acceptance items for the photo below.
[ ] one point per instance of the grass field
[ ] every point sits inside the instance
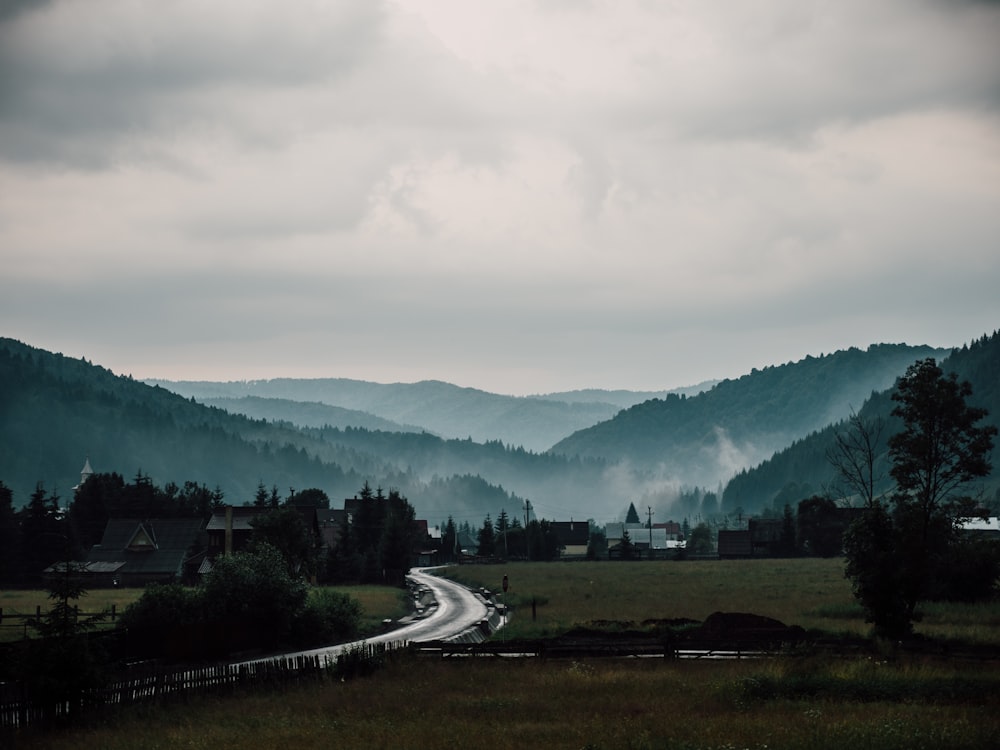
(610, 704)
(377, 603)
(593, 705)
(809, 592)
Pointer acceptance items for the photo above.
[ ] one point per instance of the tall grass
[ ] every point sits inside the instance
(600, 704)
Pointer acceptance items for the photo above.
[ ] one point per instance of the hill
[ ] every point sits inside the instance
(707, 438)
(306, 413)
(802, 469)
(57, 411)
(451, 411)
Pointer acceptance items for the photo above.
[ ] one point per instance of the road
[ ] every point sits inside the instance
(457, 610)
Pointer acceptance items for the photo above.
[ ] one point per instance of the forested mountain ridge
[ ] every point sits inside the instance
(306, 413)
(451, 411)
(56, 412)
(802, 468)
(707, 438)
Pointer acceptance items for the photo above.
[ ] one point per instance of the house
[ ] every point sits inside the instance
(573, 536)
(234, 522)
(735, 544)
(135, 552)
(330, 524)
(661, 538)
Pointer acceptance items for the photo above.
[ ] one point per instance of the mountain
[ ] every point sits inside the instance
(707, 438)
(56, 412)
(306, 413)
(530, 422)
(802, 469)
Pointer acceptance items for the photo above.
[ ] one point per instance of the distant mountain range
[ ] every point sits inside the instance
(457, 451)
(449, 411)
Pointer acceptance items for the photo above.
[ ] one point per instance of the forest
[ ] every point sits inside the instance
(685, 455)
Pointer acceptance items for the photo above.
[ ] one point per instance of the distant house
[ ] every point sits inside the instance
(573, 536)
(662, 538)
(238, 520)
(330, 523)
(135, 552)
(735, 544)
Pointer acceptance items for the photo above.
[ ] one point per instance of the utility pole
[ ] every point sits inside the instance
(649, 524)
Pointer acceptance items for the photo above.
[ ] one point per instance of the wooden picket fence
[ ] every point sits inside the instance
(17, 710)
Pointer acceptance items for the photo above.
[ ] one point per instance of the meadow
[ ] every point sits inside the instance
(793, 702)
(377, 604)
(809, 592)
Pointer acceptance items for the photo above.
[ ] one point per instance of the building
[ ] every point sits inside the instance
(136, 552)
(573, 536)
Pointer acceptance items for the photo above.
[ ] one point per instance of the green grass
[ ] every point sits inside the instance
(597, 704)
(377, 604)
(609, 704)
(809, 592)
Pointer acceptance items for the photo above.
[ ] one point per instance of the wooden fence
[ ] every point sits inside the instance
(9, 621)
(17, 710)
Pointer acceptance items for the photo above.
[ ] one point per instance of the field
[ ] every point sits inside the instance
(377, 603)
(789, 702)
(809, 592)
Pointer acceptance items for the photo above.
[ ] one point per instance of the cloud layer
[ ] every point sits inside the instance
(525, 196)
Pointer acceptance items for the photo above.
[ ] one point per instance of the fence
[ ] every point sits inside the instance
(17, 710)
(22, 622)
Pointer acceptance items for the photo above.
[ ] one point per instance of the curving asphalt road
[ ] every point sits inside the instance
(457, 610)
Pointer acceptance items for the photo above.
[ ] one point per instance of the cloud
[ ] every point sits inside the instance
(583, 194)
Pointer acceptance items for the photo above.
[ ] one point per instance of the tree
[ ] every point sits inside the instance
(819, 528)
(597, 544)
(62, 665)
(285, 530)
(487, 540)
(632, 516)
(896, 552)
(449, 541)
(253, 592)
(10, 538)
(502, 526)
(398, 538)
(700, 541)
(854, 456)
(625, 547)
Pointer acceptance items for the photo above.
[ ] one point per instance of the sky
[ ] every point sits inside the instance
(524, 196)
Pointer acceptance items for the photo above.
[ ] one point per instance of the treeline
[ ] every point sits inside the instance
(803, 467)
(46, 530)
(763, 410)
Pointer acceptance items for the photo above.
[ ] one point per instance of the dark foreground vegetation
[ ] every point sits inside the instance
(596, 704)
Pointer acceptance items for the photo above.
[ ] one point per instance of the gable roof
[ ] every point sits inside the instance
(154, 546)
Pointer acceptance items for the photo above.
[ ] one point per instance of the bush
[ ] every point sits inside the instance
(255, 589)
(328, 617)
(162, 606)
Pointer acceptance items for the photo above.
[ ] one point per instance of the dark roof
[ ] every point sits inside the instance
(571, 532)
(735, 543)
(242, 516)
(154, 546)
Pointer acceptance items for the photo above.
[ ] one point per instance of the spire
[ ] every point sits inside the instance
(85, 473)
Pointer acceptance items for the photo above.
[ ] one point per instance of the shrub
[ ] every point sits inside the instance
(328, 617)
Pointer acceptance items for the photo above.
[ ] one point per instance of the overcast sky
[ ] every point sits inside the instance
(520, 196)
